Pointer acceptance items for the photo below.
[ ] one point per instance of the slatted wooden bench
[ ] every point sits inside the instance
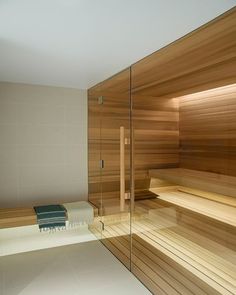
(173, 258)
(191, 251)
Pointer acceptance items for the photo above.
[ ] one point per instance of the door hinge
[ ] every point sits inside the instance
(127, 196)
(127, 140)
(101, 164)
(100, 100)
(102, 225)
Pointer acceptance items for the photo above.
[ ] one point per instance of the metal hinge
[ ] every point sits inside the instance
(100, 100)
(127, 140)
(102, 225)
(101, 164)
(127, 196)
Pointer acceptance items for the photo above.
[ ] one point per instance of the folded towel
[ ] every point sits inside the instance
(50, 217)
(79, 213)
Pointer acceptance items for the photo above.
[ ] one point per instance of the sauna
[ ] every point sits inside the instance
(162, 163)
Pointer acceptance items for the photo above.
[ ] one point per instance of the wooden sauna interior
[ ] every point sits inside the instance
(177, 231)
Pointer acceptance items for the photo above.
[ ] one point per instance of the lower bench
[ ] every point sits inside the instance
(14, 217)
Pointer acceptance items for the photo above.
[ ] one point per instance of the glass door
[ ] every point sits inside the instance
(115, 169)
(94, 158)
(111, 193)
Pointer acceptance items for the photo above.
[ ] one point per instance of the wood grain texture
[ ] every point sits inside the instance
(209, 208)
(203, 59)
(171, 258)
(14, 217)
(206, 226)
(106, 121)
(207, 130)
(206, 181)
(156, 135)
(104, 125)
(117, 84)
(17, 217)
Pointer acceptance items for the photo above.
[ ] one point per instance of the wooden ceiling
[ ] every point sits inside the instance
(203, 59)
(119, 83)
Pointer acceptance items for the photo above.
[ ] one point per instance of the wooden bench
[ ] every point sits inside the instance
(183, 242)
(15, 217)
(192, 190)
(205, 181)
(174, 258)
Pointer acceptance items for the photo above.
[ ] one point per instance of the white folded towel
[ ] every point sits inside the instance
(79, 213)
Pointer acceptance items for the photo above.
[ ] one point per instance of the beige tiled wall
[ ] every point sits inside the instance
(43, 144)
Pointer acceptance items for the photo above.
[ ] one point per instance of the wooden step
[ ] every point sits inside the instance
(205, 181)
(169, 260)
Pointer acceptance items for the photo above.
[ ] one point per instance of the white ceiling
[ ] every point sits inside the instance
(77, 43)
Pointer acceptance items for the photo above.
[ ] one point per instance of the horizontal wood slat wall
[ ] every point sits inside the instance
(104, 122)
(202, 60)
(156, 136)
(207, 130)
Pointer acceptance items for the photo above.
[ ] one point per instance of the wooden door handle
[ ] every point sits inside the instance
(122, 168)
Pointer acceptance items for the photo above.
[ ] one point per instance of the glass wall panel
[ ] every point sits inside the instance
(113, 183)
(183, 228)
(94, 158)
(162, 142)
(184, 143)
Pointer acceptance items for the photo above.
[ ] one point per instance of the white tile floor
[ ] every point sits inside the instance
(80, 269)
